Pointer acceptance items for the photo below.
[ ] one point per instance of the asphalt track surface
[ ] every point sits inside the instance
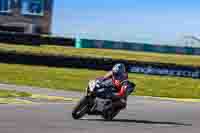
(142, 115)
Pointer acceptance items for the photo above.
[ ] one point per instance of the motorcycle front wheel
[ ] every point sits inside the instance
(81, 108)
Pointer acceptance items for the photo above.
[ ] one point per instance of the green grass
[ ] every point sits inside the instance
(115, 54)
(77, 79)
(13, 94)
(14, 101)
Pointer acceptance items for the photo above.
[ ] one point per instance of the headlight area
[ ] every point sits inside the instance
(92, 85)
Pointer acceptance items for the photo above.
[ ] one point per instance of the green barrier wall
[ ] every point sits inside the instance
(86, 43)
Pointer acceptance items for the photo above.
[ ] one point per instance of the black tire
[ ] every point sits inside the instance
(81, 108)
(109, 116)
(115, 114)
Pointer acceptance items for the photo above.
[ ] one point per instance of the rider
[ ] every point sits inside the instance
(119, 78)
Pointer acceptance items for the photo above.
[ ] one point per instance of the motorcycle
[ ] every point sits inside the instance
(97, 101)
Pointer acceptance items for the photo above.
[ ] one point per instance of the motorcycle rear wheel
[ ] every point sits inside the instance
(109, 116)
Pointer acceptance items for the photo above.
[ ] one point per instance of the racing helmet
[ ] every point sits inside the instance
(119, 69)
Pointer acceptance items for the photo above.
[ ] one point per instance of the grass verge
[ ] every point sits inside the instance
(8, 97)
(15, 97)
(115, 54)
(14, 101)
(77, 79)
(13, 94)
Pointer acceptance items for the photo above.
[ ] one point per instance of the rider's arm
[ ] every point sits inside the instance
(106, 76)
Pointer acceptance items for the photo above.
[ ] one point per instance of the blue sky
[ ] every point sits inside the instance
(153, 21)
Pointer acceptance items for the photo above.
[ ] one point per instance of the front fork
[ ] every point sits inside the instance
(90, 97)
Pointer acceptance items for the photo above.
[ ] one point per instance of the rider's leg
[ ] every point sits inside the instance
(121, 102)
